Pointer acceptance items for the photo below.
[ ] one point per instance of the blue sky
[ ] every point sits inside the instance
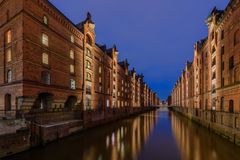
(156, 36)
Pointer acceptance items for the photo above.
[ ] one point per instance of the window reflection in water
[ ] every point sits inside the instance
(155, 135)
(197, 143)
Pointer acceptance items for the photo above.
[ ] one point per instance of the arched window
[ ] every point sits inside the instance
(231, 106)
(8, 104)
(45, 20)
(70, 103)
(46, 77)
(9, 76)
(236, 37)
(88, 64)
(88, 77)
(88, 52)
(88, 40)
(43, 101)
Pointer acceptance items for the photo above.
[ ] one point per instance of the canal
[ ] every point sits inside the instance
(158, 135)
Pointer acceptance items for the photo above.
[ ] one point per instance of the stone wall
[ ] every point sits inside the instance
(15, 142)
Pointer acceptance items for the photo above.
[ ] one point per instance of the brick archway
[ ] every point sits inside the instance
(44, 101)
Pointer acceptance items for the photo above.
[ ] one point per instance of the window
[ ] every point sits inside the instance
(45, 59)
(88, 52)
(100, 79)
(88, 65)
(236, 37)
(88, 89)
(44, 39)
(72, 39)
(88, 103)
(72, 69)
(100, 88)
(72, 56)
(222, 50)
(236, 75)
(231, 106)
(214, 61)
(88, 40)
(222, 34)
(9, 76)
(7, 15)
(9, 55)
(223, 66)
(72, 84)
(45, 20)
(100, 70)
(8, 37)
(212, 35)
(222, 104)
(213, 50)
(223, 83)
(108, 103)
(231, 62)
(46, 78)
(88, 77)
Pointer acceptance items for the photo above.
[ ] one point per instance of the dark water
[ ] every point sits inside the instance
(152, 136)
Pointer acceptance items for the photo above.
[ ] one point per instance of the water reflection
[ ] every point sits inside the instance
(117, 141)
(151, 136)
(197, 143)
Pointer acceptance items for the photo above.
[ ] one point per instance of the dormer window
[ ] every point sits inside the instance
(45, 20)
(88, 40)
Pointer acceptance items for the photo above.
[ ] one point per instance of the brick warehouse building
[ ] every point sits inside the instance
(47, 62)
(212, 80)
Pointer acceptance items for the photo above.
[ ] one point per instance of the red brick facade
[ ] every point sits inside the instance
(212, 80)
(47, 62)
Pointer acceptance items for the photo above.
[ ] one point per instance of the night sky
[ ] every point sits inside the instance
(156, 36)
